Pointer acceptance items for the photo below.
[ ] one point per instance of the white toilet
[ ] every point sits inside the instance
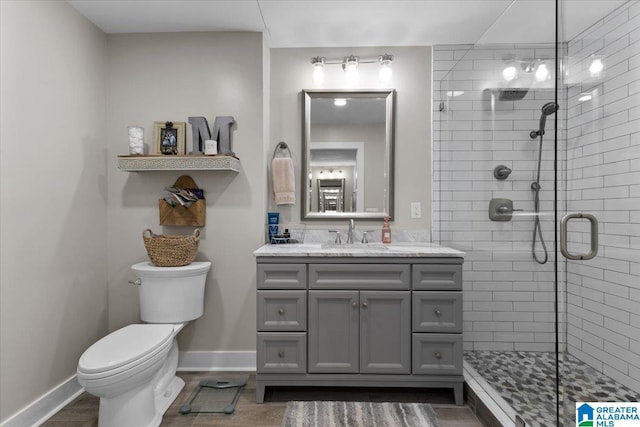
(133, 370)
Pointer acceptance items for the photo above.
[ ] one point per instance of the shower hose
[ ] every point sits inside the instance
(537, 230)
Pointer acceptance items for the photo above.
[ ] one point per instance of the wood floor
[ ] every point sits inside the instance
(83, 411)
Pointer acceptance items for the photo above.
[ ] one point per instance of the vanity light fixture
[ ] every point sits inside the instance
(513, 67)
(339, 102)
(350, 65)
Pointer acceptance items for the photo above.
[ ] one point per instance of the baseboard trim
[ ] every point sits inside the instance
(212, 361)
(47, 405)
(60, 396)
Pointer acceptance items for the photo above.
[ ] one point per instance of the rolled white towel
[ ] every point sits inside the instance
(284, 182)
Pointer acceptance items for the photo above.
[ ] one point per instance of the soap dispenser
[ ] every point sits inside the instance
(386, 231)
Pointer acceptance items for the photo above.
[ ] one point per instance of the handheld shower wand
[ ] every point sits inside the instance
(547, 109)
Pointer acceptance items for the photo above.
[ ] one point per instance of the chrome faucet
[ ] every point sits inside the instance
(352, 227)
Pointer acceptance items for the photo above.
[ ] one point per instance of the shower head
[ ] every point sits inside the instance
(549, 108)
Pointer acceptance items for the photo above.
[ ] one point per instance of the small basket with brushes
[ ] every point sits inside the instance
(171, 251)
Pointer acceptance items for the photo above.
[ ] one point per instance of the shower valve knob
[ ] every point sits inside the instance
(501, 172)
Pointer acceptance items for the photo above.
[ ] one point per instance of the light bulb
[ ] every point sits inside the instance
(339, 102)
(509, 73)
(350, 67)
(318, 70)
(386, 72)
(542, 73)
(318, 75)
(596, 67)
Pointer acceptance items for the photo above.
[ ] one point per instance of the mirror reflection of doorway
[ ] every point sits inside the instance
(331, 195)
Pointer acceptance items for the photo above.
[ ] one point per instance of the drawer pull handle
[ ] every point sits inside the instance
(438, 355)
(281, 311)
(354, 304)
(438, 312)
(365, 304)
(281, 354)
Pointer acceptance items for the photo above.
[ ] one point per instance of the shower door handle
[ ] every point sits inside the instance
(594, 236)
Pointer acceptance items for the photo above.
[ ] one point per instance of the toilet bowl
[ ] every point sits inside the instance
(133, 369)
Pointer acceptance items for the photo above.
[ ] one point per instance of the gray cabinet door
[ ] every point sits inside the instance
(437, 311)
(282, 310)
(385, 332)
(437, 354)
(283, 352)
(333, 331)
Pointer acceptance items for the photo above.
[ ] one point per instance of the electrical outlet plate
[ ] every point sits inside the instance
(416, 210)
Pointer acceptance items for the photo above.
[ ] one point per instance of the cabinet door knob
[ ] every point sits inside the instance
(281, 354)
(438, 355)
(354, 304)
(281, 311)
(365, 304)
(438, 312)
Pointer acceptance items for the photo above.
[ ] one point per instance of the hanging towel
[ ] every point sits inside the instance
(284, 183)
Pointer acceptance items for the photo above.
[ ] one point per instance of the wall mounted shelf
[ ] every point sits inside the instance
(137, 163)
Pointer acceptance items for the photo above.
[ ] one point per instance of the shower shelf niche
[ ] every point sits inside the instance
(137, 163)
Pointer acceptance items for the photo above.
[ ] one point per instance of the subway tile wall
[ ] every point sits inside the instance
(603, 165)
(508, 297)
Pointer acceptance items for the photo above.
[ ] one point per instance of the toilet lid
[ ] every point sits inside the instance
(123, 346)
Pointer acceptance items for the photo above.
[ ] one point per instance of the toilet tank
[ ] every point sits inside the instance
(171, 294)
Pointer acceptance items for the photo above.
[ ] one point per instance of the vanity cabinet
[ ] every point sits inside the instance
(359, 321)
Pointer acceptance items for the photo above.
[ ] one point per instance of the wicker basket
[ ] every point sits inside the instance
(171, 251)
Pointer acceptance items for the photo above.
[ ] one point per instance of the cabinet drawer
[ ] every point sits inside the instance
(282, 310)
(439, 354)
(359, 276)
(437, 277)
(284, 352)
(437, 311)
(282, 276)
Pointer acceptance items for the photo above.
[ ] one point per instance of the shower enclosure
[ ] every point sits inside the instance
(537, 178)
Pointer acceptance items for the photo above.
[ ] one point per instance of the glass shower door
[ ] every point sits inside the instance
(600, 84)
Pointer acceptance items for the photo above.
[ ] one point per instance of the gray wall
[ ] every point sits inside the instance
(603, 164)
(53, 185)
(171, 76)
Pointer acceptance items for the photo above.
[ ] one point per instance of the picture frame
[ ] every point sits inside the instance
(169, 138)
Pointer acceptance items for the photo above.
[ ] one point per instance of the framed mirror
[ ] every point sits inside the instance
(347, 146)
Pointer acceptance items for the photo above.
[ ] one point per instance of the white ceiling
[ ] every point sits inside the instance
(328, 23)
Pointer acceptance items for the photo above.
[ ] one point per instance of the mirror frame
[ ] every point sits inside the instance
(307, 96)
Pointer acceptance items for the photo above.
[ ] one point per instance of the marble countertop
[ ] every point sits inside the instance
(402, 250)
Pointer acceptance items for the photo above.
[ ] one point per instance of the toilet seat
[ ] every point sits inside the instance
(125, 349)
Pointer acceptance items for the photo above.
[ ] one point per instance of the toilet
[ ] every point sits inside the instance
(133, 369)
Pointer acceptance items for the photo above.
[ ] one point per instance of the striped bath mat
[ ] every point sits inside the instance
(358, 414)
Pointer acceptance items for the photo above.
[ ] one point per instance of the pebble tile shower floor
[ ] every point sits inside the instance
(526, 380)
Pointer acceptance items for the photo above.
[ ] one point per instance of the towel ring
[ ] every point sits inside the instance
(281, 146)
